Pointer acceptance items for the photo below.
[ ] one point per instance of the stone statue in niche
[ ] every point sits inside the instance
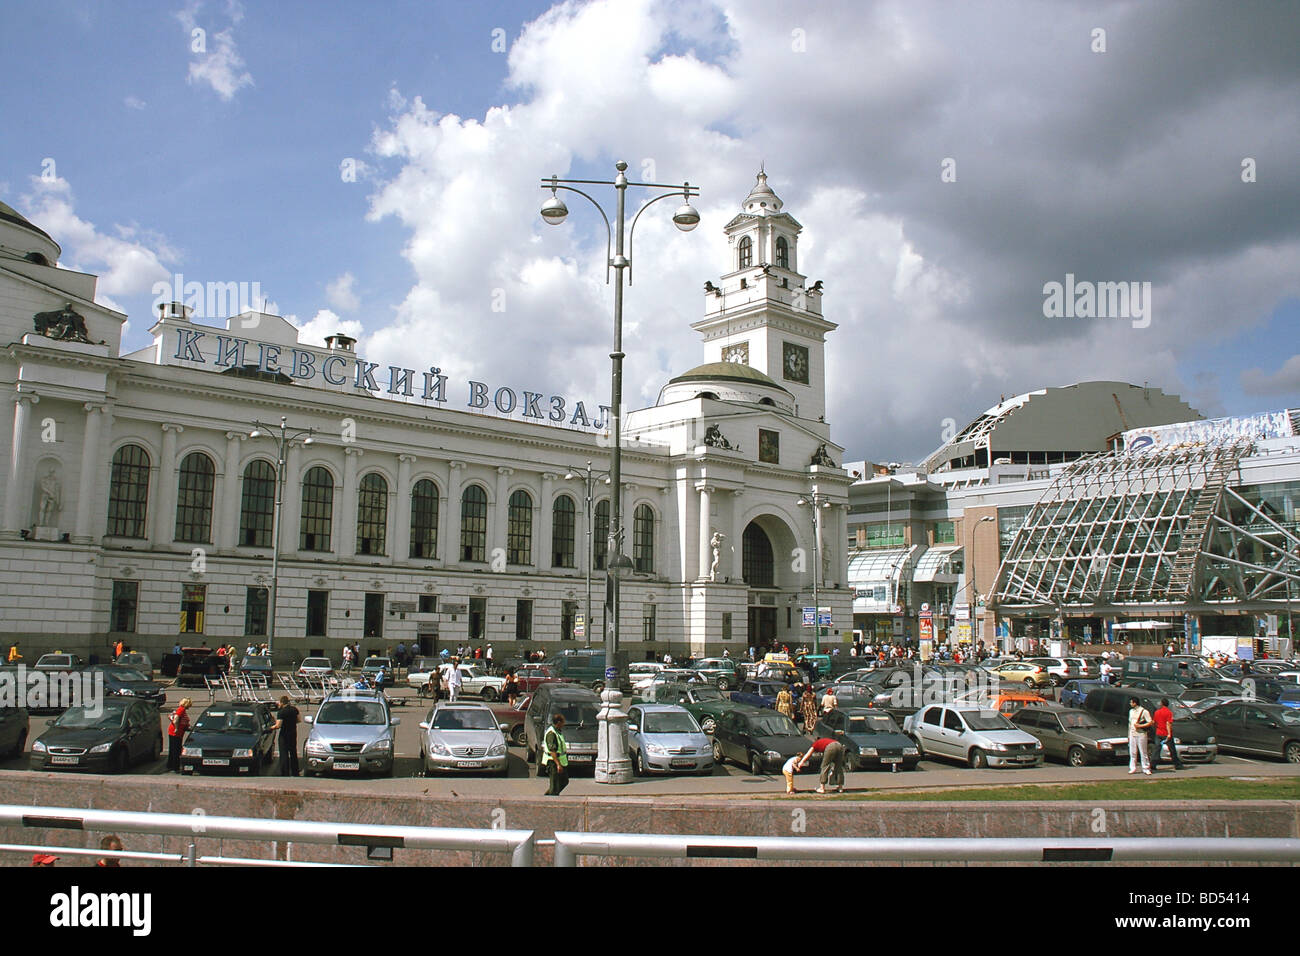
(716, 544)
(822, 457)
(64, 325)
(47, 514)
(714, 438)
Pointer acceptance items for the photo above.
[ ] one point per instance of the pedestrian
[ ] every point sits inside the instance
(1139, 722)
(808, 709)
(785, 702)
(1164, 721)
(789, 769)
(555, 757)
(112, 843)
(179, 722)
(832, 771)
(14, 655)
(454, 680)
(286, 721)
(829, 702)
(488, 656)
(347, 659)
(511, 689)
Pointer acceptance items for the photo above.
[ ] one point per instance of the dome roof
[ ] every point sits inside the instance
(17, 230)
(761, 201)
(726, 372)
(9, 214)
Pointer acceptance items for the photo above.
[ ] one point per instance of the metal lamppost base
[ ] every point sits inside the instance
(612, 762)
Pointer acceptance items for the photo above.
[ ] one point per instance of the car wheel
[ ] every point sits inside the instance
(709, 725)
(598, 686)
(756, 765)
(519, 736)
(1029, 682)
(978, 759)
(22, 745)
(1076, 757)
(718, 756)
(1291, 752)
(724, 685)
(489, 694)
(638, 764)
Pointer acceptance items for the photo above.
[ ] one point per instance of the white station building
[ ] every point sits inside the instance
(138, 503)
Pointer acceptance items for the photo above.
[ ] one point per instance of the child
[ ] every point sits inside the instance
(791, 765)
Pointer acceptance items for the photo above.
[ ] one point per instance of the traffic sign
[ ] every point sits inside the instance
(611, 673)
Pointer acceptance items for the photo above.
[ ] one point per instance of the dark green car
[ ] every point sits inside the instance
(704, 701)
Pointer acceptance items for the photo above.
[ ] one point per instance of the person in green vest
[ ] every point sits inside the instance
(555, 756)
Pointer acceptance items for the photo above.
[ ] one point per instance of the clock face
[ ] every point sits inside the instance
(736, 353)
(795, 363)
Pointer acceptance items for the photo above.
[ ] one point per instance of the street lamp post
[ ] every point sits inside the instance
(612, 764)
(817, 500)
(589, 478)
(286, 436)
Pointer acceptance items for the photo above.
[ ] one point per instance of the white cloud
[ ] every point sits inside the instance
(341, 295)
(134, 103)
(218, 64)
(324, 323)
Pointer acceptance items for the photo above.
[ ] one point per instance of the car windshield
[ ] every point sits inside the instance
(226, 722)
(256, 660)
(82, 718)
(471, 672)
(464, 719)
(1079, 722)
(769, 690)
(576, 713)
(316, 662)
(987, 720)
(1180, 711)
(773, 725)
(872, 724)
(377, 662)
(351, 712)
(670, 723)
(706, 693)
(127, 674)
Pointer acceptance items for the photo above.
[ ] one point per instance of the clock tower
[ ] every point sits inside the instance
(763, 313)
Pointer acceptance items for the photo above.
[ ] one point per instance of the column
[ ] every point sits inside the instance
(399, 518)
(497, 533)
(15, 489)
(545, 558)
(663, 557)
(705, 556)
(581, 526)
(163, 523)
(89, 463)
(732, 550)
(842, 546)
(345, 536)
(629, 522)
(230, 502)
(288, 533)
(449, 514)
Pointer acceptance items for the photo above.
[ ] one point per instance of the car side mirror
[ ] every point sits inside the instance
(503, 727)
(310, 719)
(424, 725)
(632, 728)
(395, 721)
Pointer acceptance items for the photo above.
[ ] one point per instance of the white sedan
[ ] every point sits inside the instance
(476, 682)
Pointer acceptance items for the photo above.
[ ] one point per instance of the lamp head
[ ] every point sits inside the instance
(686, 217)
(554, 210)
(309, 440)
(255, 433)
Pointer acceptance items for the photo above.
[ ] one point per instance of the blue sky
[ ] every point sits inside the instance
(224, 164)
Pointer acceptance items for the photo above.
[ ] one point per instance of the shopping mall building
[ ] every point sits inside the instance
(427, 509)
(1098, 512)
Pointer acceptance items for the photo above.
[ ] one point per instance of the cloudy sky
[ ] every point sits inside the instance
(374, 168)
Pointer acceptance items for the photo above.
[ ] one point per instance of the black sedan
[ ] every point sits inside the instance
(1256, 727)
(759, 739)
(870, 738)
(108, 738)
(122, 681)
(256, 665)
(230, 738)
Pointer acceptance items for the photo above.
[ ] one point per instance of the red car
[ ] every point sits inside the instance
(513, 717)
(531, 675)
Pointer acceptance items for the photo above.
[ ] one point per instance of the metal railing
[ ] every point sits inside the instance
(571, 845)
(519, 844)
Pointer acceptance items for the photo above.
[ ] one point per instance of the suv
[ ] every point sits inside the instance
(579, 707)
(352, 732)
(587, 667)
(1194, 739)
(720, 671)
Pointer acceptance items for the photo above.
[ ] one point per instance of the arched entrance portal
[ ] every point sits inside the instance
(759, 569)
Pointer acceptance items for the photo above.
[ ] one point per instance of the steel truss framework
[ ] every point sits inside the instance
(1160, 531)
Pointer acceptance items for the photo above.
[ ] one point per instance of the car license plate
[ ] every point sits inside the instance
(581, 758)
(347, 765)
(683, 763)
(65, 760)
(891, 759)
(215, 762)
(468, 764)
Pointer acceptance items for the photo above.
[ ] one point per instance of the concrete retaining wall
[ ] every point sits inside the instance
(755, 817)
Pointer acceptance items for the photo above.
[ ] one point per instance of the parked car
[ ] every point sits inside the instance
(513, 716)
(758, 693)
(137, 660)
(372, 665)
(422, 670)
(1023, 672)
(476, 681)
(315, 668)
(848, 694)
(1170, 688)
(1059, 669)
(1072, 735)
(14, 728)
(587, 667)
(1201, 706)
(579, 707)
(256, 665)
(759, 739)
(230, 738)
(198, 664)
(871, 738)
(665, 738)
(783, 671)
(1073, 692)
(719, 671)
(1289, 697)
(351, 732)
(642, 674)
(1255, 727)
(532, 676)
(58, 662)
(122, 681)
(1182, 669)
(462, 736)
(68, 688)
(1193, 738)
(973, 735)
(704, 702)
(111, 737)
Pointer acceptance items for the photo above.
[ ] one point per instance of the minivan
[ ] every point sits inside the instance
(579, 707)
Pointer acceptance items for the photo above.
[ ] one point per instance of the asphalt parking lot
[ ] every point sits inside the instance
(729, 781)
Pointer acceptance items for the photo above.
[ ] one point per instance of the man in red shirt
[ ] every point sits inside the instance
(1164, 721)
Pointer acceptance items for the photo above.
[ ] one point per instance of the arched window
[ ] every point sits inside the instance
(600, 534)
(257, 506)
(473, 524)
(746, 252)
(519, 532)
(782, 252)
(563, 516)
(128, 492)
(317, 510)
(194, 498)
(756, 559)
(424, 519)
(372, 514)
(643, 539)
